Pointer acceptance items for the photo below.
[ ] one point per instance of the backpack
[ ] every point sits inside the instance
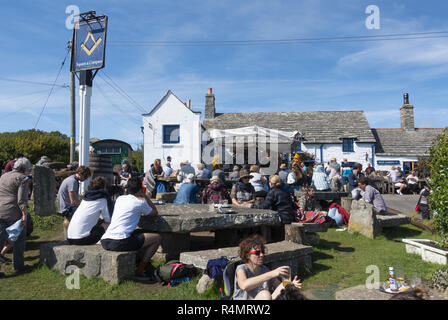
(215, 267)
(229, 280)
(174, 269)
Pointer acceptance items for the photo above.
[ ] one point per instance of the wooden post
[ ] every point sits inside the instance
(346, 203)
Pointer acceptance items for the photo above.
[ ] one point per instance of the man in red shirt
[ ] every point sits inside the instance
(10, 164)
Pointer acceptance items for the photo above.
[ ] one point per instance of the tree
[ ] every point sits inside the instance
(438, 198)
(34, 144)
(137, 159)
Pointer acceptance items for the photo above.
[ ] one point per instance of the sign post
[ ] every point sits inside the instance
(88, 53)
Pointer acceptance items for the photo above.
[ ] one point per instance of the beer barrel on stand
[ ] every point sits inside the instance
(101, 165)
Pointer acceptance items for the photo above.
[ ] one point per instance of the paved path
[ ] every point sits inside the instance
(405, 203)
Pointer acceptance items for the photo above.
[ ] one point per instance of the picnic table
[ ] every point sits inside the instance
(175, 222)
(323, 195)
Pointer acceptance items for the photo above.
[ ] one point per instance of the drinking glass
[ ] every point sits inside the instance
(286, 280)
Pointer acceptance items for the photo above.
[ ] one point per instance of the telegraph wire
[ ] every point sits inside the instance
(116, 106)
(121, 92)
(34, 82)
(51, 90)
(386, 37)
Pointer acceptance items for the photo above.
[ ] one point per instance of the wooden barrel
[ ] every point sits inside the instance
(101, 165)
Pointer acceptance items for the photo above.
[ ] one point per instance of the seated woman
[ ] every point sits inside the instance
(187, 191)
(307, 212)
(215, 192)
(320, 180)
(412, 182)
(253, 280)
(279, 200)
(157, 171)
(243, 193)
(295, 178)
(85, 227)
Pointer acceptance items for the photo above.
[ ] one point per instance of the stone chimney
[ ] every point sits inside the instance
(210, 105)
(407, 114)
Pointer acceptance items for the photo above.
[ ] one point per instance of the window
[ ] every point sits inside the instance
(109, 150)
(347, 144)
(171, 134)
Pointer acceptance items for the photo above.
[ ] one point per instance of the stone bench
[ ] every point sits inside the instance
(304, 233)
(390, 220)
(92, 261)
(278, 254)
(168, 197)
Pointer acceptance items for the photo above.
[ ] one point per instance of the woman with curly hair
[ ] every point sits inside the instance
(253, 280)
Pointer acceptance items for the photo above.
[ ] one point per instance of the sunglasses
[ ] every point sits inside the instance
(256, 252)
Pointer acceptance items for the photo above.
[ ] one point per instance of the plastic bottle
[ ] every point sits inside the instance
(175, 282)
(393, 284)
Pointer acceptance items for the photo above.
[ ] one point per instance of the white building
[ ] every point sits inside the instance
(172, 129)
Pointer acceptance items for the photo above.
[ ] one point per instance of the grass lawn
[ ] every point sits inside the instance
(339, 261)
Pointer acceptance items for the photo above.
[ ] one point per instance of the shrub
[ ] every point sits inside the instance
(438, 199)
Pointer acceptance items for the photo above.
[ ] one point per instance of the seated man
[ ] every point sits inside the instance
(320, 179)
(86, 228)
(120, 235)
(125, 175)
(372, 196)
(68, 197)
(353, 179)
(187, 191)
(215, 192)
(236, 173)
(203, 172)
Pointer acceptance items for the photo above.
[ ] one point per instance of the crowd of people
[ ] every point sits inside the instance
(98, 219)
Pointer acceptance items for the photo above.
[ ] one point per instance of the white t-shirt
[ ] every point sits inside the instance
(127, 212)
(256, 181)
(86, 217)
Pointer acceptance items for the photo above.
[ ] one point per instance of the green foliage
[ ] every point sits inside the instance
(34, 144)
(137, 159)
(438, 199)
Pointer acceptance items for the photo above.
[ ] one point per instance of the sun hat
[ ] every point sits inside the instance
(215, 178)
(283, 166)
(245, 174)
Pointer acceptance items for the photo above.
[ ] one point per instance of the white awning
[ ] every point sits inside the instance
(262, 135)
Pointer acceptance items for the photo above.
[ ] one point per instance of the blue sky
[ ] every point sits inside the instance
(369, 76)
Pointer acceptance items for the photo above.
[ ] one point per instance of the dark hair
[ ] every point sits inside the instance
(290, 293)
(254, 241)
(19, 155)
(134, 185)
(357, 166)
(83, 171)
(364, 180)
(97, 183)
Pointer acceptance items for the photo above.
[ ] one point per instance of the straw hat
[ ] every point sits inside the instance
(215, 178)
(283, 166)
(245, 174)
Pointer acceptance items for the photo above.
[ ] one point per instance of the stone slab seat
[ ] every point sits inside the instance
(278, 254)
(390, 220)
(92, 260)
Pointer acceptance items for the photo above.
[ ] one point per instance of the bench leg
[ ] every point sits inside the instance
(172, 245)
(227, 238)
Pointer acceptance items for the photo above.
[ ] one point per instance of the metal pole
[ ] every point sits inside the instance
(85, 94)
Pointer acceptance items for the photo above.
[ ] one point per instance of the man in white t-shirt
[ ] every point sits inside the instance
(120, 235)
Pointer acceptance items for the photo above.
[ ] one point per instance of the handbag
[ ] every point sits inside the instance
(14, 231)
(417, 207)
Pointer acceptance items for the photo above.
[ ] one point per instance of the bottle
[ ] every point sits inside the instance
(176, 281)
(393, 284)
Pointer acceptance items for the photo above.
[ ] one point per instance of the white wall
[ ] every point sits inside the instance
(174, 112)
(335, 150)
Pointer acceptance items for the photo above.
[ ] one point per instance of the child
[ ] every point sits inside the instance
(13, 233)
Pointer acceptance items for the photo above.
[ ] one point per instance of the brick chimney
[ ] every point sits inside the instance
(210, 105)
(407, 114)
(189, 103)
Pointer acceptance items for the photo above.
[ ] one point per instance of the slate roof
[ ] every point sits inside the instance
(399, 142)
(316, 126)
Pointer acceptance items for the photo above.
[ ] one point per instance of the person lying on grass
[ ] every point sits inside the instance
(253, 280)
(121, 235)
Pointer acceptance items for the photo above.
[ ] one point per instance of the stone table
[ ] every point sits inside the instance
(362, 293)
(175, 222)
